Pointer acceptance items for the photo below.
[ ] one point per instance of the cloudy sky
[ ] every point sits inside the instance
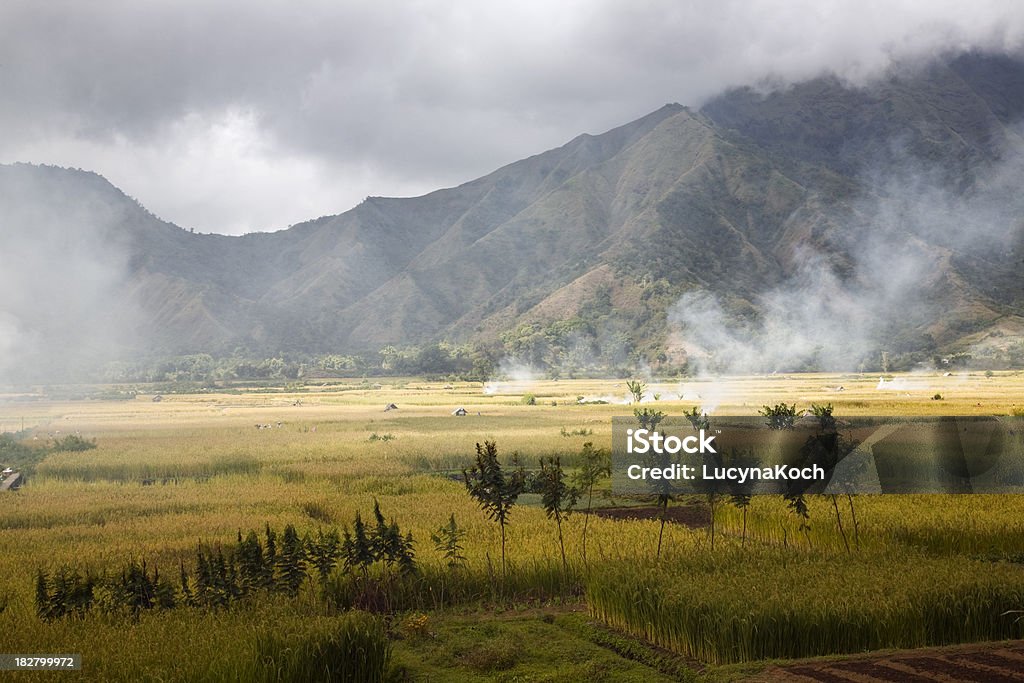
(238, 115)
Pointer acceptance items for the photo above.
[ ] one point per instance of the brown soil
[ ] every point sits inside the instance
(981, 663)
(693, 515)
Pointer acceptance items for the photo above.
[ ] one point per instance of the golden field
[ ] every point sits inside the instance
(193, 468)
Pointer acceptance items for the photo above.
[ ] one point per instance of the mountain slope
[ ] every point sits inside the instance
(893, 206)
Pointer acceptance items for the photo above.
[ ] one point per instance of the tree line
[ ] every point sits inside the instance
(267, 562)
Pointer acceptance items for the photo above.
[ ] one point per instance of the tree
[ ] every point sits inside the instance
(186, 589)
(406, 554)
(596, 467)
(253, 570)
(832, 447)
(493, 490)
(781, 417)
(650, 419)
(356, 548)
(636, 388)
(323, 551)
(557, 497)
(271, 551)
(291, 561)
(699, 420)
(138, 590)
(740, 494)
(448, 541)
(388, 545)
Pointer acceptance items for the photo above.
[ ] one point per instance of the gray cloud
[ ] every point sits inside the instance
(232, 116)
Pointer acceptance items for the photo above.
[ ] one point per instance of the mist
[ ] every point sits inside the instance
(899, 235)
(66, 303)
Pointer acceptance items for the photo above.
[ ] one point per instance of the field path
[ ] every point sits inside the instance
(985, 663)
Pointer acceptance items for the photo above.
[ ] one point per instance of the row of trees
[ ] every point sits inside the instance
(440, 359)
(825, 446)
(496, 489)
(271, 562)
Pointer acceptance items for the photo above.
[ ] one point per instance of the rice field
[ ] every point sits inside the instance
(197, 468)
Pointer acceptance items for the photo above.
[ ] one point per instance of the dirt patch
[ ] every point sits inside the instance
(984, 663)
(692, 515)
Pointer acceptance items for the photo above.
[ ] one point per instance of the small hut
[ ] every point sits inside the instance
(459, 411)
(11, 481)
(390, 406)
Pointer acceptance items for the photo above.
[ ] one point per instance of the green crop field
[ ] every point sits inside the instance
(190, 475)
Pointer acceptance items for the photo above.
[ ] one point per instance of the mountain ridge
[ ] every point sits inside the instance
(588, 248)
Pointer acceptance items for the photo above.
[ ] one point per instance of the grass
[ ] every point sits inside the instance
(741, 606)
(534, 645)
(165, 476)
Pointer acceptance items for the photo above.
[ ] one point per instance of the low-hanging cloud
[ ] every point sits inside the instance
(67, 306)
(232, 116)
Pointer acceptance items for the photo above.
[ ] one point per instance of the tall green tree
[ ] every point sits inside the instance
(830, 448)
(596, 467)
(253, 570)
(699, 420)
(323, 551)
(650, 419)
(448, 541)
(557, 497)
(494, 490)
(356, 548)
(778, 418)
(291, 561)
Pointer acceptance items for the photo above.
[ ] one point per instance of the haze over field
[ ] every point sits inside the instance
(860, 198)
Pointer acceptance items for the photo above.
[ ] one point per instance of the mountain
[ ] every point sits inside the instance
(887, 213)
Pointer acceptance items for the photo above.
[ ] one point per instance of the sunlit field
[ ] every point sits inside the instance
(199, 469)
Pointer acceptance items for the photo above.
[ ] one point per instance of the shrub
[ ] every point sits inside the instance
(73, 443)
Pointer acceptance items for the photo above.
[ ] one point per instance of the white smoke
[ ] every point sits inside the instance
(896, 243)
(512, 377)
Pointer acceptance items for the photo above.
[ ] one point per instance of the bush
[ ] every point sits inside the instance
(416, 625)
(529, 400)
(73, 443)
